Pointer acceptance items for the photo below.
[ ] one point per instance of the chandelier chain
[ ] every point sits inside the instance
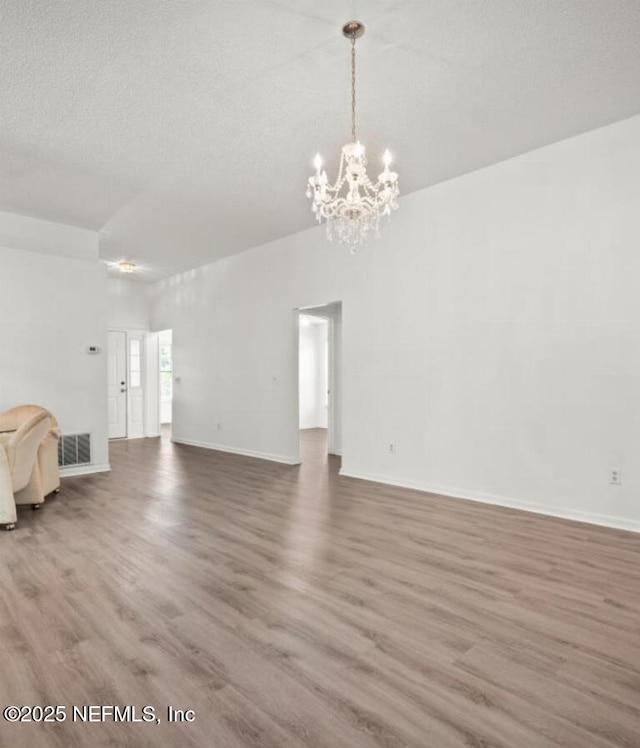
(353, 88)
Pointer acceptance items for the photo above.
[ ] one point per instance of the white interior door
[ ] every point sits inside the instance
(117, 384)
(135, 389)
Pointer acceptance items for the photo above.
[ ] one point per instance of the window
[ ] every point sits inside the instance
(135, 364)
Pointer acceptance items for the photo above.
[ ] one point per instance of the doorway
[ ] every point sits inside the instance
(319, 379)
(165, 357)
(313, 372)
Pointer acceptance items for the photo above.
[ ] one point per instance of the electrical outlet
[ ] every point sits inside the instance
(615, 476)
(392, 448)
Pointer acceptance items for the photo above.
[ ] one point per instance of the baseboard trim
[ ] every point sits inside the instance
(73, 470)
(591, 518)
(238, 451)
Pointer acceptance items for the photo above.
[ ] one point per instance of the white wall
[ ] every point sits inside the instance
(493, 335)
(313, 373)
(51, 309)
(128, 304)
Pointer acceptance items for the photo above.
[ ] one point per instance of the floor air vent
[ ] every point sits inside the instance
(74, 449)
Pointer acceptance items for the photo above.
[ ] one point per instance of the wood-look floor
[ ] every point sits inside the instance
(291, 607)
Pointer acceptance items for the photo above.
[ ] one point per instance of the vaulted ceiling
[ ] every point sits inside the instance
(183, 130)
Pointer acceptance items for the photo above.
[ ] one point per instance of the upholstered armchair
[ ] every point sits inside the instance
(11, 420)
(19, 471)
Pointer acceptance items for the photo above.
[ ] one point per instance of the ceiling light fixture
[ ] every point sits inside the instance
(353, 204)
(126, 266)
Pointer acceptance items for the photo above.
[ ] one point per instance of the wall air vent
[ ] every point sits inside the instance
(74, 449)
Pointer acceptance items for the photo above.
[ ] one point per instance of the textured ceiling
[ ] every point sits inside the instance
(184, 129)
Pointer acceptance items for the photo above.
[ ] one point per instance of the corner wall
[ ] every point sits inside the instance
(493, 335)
(52, 307)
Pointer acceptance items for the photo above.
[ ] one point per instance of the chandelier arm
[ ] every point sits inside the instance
(336, 186)
(341, 177)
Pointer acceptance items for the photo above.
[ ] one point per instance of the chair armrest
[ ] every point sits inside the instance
(9, 422)
(7, 502)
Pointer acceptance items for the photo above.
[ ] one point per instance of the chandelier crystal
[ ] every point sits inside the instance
(353, 205)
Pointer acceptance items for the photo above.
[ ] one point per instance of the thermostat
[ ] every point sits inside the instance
(93, 349)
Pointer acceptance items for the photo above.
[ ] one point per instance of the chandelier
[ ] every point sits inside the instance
(353, 205)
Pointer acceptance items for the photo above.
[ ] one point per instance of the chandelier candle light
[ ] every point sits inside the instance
(353, 204)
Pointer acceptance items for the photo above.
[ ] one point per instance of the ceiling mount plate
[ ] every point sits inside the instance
(353, 29)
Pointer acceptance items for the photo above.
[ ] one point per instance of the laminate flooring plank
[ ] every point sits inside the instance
(291, 607)
(616, 723)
